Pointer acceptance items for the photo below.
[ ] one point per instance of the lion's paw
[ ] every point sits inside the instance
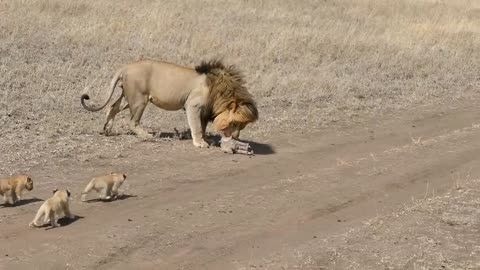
(201, 144)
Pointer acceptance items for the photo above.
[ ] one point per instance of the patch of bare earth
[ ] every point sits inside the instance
(438, 232)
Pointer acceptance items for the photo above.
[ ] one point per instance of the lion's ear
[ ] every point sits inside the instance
(232, 107)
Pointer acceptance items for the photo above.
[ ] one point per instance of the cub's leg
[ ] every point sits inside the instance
(66, 211)
(195, 123)
(38, 216)
(103, 193)
(9, 196)
(14, 196)
(18, 194)
(108, 192)
(51, 215)
(115, 191)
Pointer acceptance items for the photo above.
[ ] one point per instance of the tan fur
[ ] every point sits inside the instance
(230, 105)
(53, 208)
(106, 185)
(210, 92)
(12, 188)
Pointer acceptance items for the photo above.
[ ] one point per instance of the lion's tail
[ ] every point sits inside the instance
(87, 189)
(113, 84)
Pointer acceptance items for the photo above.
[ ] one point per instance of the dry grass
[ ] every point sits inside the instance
(308, 63)
(320, 59)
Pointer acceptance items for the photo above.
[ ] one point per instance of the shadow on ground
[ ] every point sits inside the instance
(258, 148)
(119, 198)
(64, 221)
(22, 202)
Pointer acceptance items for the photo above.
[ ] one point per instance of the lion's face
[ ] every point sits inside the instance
(29, 183)
(233, 130)
(236, 129)
(230, 122)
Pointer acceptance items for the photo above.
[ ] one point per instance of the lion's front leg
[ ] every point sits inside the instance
(195, 123)
(204, 123)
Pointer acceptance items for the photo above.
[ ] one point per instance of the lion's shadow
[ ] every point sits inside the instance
(258, 148)
(22, 202)
(177, 135)
(120, 197)
(64, 221)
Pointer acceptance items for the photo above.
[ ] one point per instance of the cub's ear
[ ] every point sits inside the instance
(68, 193)
(55, 190)
(124, 176)
(29, 180)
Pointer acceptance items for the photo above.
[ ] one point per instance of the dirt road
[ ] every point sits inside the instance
(201, 209)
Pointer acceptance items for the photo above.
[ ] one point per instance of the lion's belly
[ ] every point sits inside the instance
(166, 103)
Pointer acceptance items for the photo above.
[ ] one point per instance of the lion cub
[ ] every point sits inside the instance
(52, 208)
(106, 185)
(11, 188)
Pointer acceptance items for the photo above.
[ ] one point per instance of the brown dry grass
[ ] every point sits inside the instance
(307, 62)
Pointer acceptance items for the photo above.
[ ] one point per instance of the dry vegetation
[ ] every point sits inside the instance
(308, 63)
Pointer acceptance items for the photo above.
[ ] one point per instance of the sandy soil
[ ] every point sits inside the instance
(187, 208)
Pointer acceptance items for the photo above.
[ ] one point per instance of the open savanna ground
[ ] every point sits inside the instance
(368, 141)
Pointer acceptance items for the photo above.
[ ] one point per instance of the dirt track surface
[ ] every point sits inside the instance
(201, 209)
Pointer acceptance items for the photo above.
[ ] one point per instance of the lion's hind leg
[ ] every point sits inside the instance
(136, 109)
(112, 111)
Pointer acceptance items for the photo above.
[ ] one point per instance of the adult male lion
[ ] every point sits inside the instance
(211, 92)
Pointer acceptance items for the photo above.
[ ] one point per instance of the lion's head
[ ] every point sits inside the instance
(28, 182)
(230, 106)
